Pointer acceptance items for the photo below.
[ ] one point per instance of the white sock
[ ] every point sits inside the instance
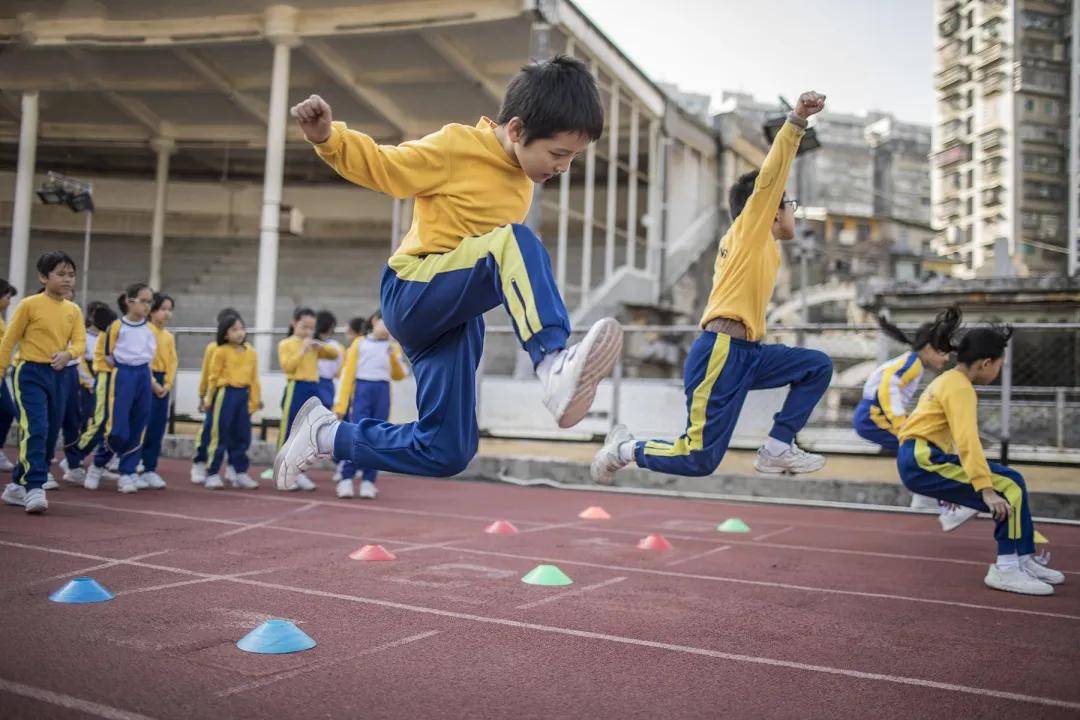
(774, 447)
(543, 368)
(1008, 562)
(324, 439)
(626, 451)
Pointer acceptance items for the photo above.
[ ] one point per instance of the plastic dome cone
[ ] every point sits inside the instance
(733, 525)
(501, 527)
(546, 575)
(1040, 538)
(267, 474)
(276, 637)
(372, 552)
(81, 590)
(656, 541)
(594, 512)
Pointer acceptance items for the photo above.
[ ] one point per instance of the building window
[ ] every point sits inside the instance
(970, 179)
(1029, 105)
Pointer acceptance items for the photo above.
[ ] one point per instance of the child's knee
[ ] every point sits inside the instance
(820, 362)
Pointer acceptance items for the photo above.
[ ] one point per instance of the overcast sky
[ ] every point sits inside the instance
(864, 54)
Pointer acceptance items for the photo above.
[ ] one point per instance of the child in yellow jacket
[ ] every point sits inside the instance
(233, 391)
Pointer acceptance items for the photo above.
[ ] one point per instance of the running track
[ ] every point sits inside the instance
(815, 613)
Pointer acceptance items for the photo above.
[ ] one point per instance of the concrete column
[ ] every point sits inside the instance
(612, 197)
(266, 283)
(164, 147)
(1073, 203)
(24, 192)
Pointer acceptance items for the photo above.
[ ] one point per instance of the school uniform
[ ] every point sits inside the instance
(720, 369)
(886, 393)
(163, 369)
(464, 254)
(41, 326)
(302, 378)
(364, 391)
(234, 393)
(132, 347)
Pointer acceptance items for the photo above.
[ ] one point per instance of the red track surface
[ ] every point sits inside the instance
(813, 614)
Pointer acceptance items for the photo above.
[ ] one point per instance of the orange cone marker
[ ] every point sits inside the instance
(656, 541)
(372, 552)
(595, 512)
(501, 527)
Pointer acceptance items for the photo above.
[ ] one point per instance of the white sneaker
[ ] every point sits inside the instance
(243, 481)
(75, 476)
(607, 461)
(14, 495)
(337, 476)
(153, 480)
(36, 502)
(230, 473)
(5, 464)
(794, 460)
(140, 469)
(570, 386)
(51, 483)
(952, 518)
(1040, 571)
(198, 473)
(93, 477)
(213, 482)
(345, 489)
(126, 484)
(141, 483)
(301, 448)
(109, 475)
(1016, 580)
(114, 464)
(368, 491)
(303, 482)
(922, 502)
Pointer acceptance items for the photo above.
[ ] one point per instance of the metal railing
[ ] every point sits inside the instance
(1034, 407)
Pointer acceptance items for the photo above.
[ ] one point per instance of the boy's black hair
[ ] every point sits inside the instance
(51, 260)
(132, 291)
(159, 300)
(553, 96)
(91, 308)
(741, 191)
(7, 288)
(225, 322)
(325, 322)
(300, 312)
(358, 325)
(377, 315)
(983, 343)
(102, 317)
(937, 334)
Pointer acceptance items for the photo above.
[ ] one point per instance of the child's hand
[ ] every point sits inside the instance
(203, 407)
(999, 506)
(60, 360)
(810, 103)
(314, 118)
(308, 345)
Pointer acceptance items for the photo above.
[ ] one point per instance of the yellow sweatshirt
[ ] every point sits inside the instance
(347, 383)
(42, 327)
(234, 366)
(463, 181)
(165, 359)
(298, 365)
(204, 373)
(749, 257)
(947, 416)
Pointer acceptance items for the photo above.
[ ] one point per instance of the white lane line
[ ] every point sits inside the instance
(765, 583)
(570, 593)
(102, 566)
(196, 581)
(686, 649)
(781, 531)
(236, 523)
(899, 679)
(67, 701)
(329, 662)
(699, 555)
(268, 521)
